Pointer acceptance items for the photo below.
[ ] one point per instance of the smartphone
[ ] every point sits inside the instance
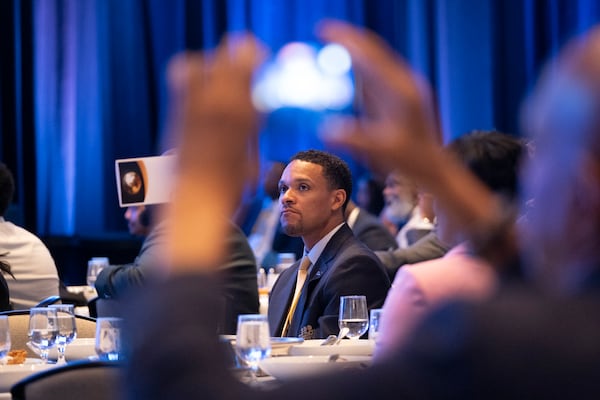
(306, 76)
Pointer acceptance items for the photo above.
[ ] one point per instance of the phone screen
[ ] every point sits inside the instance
(306, 76)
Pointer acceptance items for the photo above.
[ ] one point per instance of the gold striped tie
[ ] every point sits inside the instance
(300, 278)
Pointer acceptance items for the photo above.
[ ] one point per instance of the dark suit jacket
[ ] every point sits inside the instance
(238, 276)
(369, 230)
(426, 248)
(345, 267)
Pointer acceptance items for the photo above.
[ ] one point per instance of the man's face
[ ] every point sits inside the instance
(132, 215)
(309, 207)
(400, 198)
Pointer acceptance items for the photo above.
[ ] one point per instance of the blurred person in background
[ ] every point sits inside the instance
(28, 266)
(405, 211)
(369, 194)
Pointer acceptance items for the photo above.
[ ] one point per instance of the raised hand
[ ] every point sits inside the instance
(215, 127)
(398, 128)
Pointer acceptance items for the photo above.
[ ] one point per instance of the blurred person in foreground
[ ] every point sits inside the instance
(406, 210)
(524, 343)
(494, 158)
(26, 262)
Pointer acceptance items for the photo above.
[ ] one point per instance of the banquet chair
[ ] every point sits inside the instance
(89, 380)
(18, 322)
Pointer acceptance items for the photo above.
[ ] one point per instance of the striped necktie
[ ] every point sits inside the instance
(300, 279)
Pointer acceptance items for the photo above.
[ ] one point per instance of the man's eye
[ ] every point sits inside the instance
(303, 188)
(282, 189)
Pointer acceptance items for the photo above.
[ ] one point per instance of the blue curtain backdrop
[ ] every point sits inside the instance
(82, 82)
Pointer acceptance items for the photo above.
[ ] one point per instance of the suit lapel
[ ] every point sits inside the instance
(318, 270)
(285, 286)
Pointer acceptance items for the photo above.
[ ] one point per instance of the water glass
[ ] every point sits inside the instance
(43, 330)
(374, 322)
(95, 265)
(4, 338)
(253, 340)
(353, 316)
(67, 328)
(108, 338)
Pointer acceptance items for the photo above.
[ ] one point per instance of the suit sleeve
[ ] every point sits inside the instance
(357, 275)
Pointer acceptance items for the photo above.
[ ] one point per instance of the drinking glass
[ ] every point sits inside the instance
(374, 322)
(4, 338)
(67, 328)
(353, 315)
(253, 340)
(43, 329)
(95, 265)
(108, 338)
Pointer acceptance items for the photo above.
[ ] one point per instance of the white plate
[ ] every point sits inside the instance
(361, 347)
(11, 374)
(285, 368)
(78, 349)
(279, 345)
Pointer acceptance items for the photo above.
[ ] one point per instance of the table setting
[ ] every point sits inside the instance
(52, 333)
(261, 359)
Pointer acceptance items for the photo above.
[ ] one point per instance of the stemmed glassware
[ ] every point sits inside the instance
(108, 338)
(67, 328)
(43, 329)
(253, 340)
(4, 338)
(354, 317)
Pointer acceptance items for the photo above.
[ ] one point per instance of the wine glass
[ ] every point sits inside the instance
(253, 340)
(4, 338)
(354, 316)
(43, 329)
(67, 328)
(108, 338)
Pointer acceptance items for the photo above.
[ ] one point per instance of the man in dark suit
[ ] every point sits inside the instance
(315, 188)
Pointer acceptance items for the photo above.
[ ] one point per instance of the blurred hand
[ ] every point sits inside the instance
(215, 127)
(399, 127)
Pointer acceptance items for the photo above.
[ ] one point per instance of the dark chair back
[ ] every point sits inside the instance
(89, 380)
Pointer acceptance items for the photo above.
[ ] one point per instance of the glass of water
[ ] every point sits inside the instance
(253, 340)
(354, 316)
(108, 338)
(43, 330)
(4, 338)
(67, 328)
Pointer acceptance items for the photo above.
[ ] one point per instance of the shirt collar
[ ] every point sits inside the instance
(318, 248)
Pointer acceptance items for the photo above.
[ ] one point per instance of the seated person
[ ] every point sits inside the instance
(315, 188)
(403, 214)
(369, 229)
(29, 270)
(494, 158)
(237, 273)
(428, 247)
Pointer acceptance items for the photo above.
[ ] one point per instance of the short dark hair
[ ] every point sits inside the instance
(7, 188)
(335, 170)
(494, 157)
